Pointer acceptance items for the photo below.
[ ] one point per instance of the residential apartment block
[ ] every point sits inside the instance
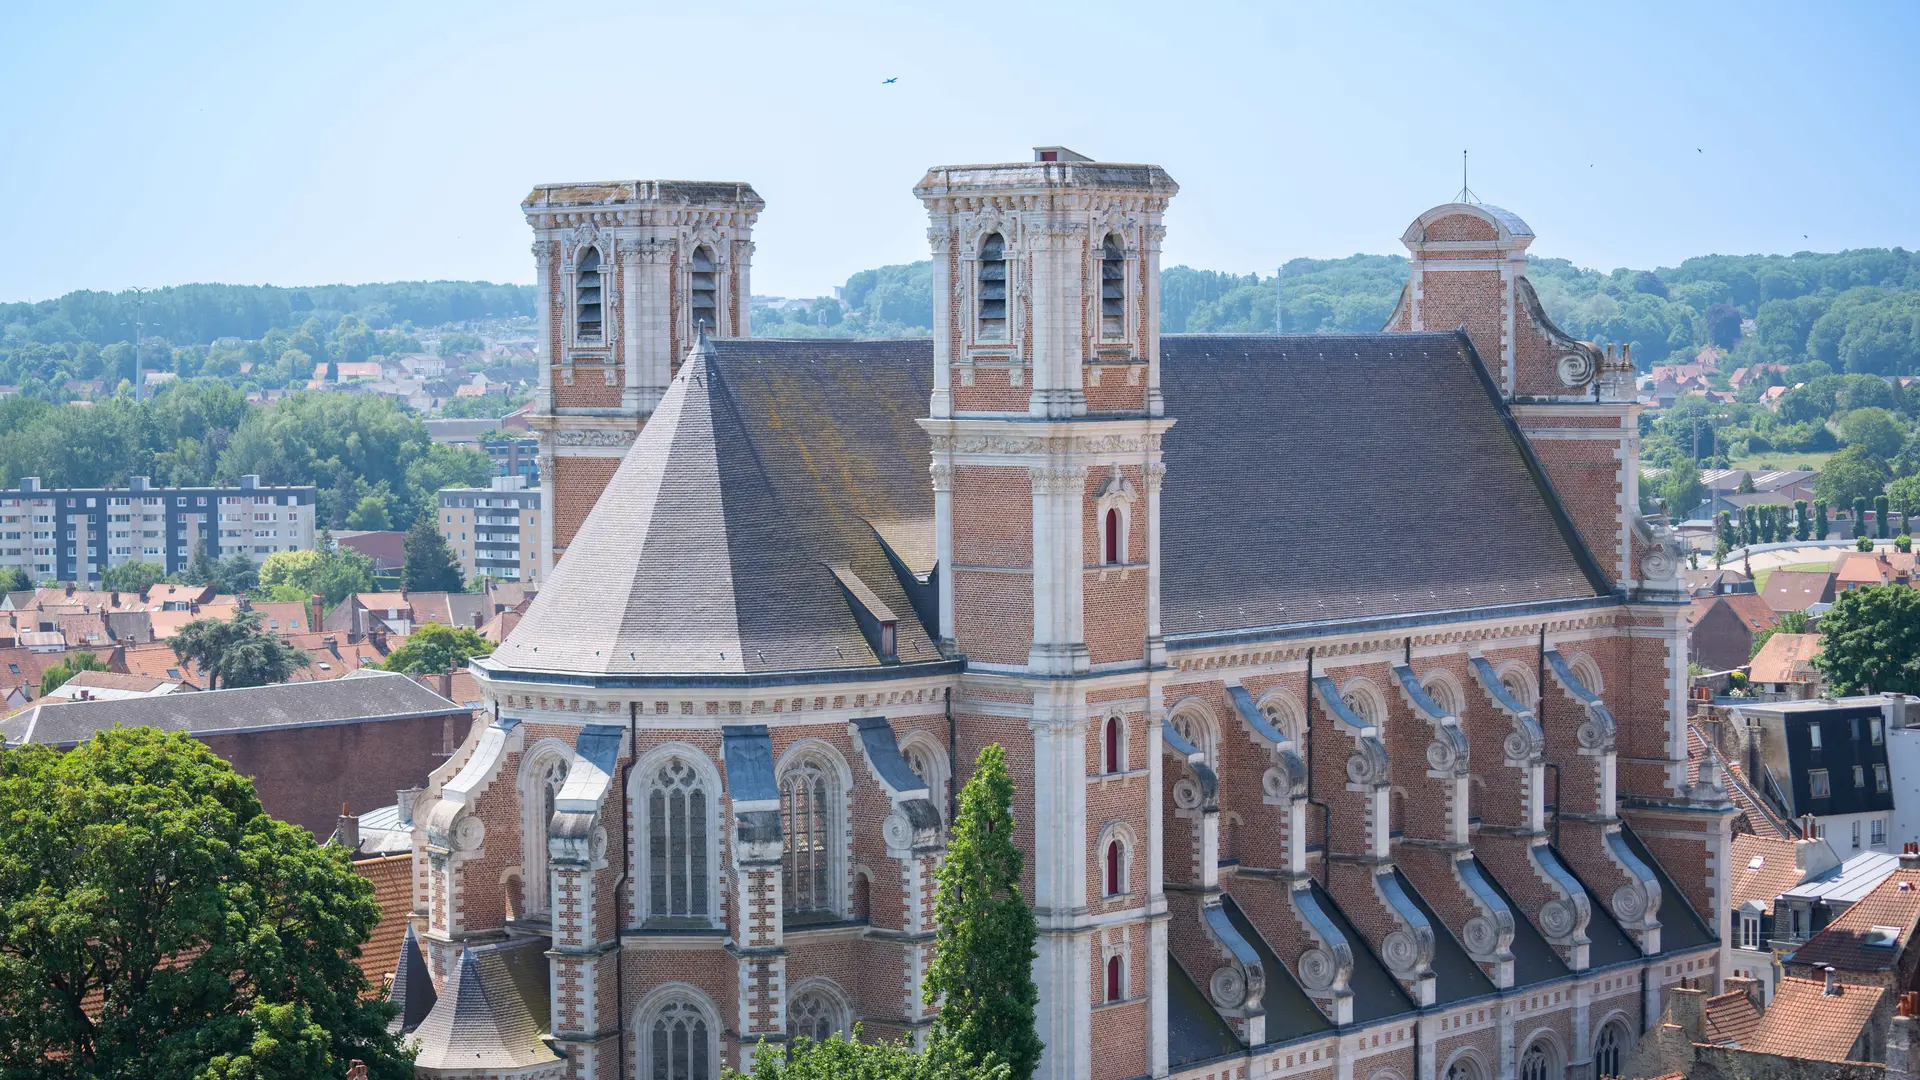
(494, 530)
(72, 534)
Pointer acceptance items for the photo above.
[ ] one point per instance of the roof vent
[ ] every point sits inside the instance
(1832, 988)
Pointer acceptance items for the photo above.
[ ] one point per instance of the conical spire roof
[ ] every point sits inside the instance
(709, 553)
(412, 991)
(481, 1022)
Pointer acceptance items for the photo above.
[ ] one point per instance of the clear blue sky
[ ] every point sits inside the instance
(150, 144)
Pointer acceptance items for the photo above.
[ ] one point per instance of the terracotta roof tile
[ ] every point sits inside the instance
(1786, 658)
(1760, 869)
(1731, 1018)
(1803, 1021)
(1846, 943)
(1796, 590)
(392, 878)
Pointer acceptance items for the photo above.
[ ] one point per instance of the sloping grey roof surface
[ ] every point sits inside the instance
(765, 461)
(372, 697)
(490, 1013)
(1294, 462)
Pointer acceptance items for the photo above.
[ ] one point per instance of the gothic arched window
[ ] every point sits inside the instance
(678, 875)
(586, 297)
(1463, 1068)
(816, 1014)
(1110, 537)
(1116, 867)
(1113, 745)
(927, 761)
(546, 773)
(1196, 730)
(1116, 979)
(992, 294)
(1538, 1062)
(809, 811)
(677, 1042)
(1113, 287)
(705, 298)
(1610, 1050)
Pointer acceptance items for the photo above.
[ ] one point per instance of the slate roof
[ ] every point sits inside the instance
(340, 701)
(709, 553)
(1803, 1021)
(769, 459)
(1287, 448)
(1846, 942)
(491, 1012)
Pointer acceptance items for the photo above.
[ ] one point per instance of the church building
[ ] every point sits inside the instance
(1343, 682)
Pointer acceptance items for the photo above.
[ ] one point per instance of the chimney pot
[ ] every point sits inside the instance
(1832, 988)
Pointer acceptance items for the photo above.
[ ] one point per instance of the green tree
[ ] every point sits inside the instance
(982, 971)
(1870, 641)
(132, 577)
(57, 676)
(1876, 430)
(1863, 543)
(1682, 490)
(1903, 543)
(1822, 525)
(1802, 525)
(1745, 487)
(1880, 515)
(840, 1058)
(148, 905)
(370, 513)
(291, 568)
(1727, 536)
(201, 569)
(1859, 518)
(435, 647)
(430, 563)
(1851, 474)
(14, 579)
(1904, 495)
(282, 1043)
(236, 652)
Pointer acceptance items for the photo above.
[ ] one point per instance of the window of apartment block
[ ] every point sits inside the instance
(1877, 832)
(1749, 930)
(1813, 736)
(991, 296)
(1859, 776)
(1880, 778)
(1856, 836)
(1817, 783)
(1874, 732)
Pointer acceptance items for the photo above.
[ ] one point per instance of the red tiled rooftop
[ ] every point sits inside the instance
(1803, 1021)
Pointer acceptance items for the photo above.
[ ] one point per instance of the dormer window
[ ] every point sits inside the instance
(1113, 287)
(706, 291)
(992, 294)
(586, 297)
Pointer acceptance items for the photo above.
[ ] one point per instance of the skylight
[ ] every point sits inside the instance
(1884, 937)
(1756, 862)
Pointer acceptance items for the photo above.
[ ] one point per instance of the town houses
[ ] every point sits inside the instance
(1343, 681)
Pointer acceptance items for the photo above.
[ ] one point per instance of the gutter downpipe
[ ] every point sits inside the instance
(626, 875)
(1326, 809)
(1540, 714)
(953, 761)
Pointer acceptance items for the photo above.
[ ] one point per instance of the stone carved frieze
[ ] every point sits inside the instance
(592, 437)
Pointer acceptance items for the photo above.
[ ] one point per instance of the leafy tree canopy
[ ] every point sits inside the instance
(132, 577)
(61, 673)
(1854, 473)
(1870, 641)
(434, 647)
(430, 563)
(236, 652)
(842, 1059)
(139, 871)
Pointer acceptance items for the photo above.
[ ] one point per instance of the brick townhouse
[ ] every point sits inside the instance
(1301, 795)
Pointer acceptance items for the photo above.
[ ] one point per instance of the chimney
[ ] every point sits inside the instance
(1749, 987)
(1902, 1035)
(1893, 709)
(446, 684)
(1683, 1009)
(1910, 856)
(113, 599)
(1832, 988)
(378, 636)
(69, 588)
(404, 799)
(245, 602)
(479, 620)
(319, 612)
(347, 832)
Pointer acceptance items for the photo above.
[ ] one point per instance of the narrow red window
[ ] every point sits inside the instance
(1113, 978)
(1113, 537)
(1113, 744)
(1113, 868)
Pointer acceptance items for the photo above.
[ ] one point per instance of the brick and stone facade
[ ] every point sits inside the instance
(1406, 836)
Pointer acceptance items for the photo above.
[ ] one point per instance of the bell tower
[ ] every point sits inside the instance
(1045, 423)
(628, 272)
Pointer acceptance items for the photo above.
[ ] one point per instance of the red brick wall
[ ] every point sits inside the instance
(1586, 476)
(577, 484)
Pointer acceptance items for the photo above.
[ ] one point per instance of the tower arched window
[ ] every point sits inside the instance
(677, 1042)
(809, 810)
(816, 1014)
(1113, 745)
(678, 833)
(1110, 537)
(991, 295)
(705, 299)
(1113, 287)
(1116, 979)
(586, 297)
(546, 773)
(1116, 867)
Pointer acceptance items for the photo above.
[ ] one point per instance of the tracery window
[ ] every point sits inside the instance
(1197, 731)
(1463, 1068)
(1610, 1050)
(705, 299)
(586, 297)
(1538, 1062)
(1441, 691)
(927, 762)
(991, 294)
(678, 1042)
(809, 810)
(816, 1015)
(676, 846)
(1113, 287)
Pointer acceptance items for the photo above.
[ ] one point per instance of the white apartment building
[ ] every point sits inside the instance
(494, 531)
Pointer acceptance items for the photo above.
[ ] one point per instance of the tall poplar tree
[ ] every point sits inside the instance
(982, 972)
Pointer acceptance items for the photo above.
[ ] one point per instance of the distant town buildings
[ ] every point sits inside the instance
(73, 534)
(494, 531)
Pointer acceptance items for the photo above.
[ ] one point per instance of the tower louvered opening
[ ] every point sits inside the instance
(706, 291)
(1113, 287)
(586, 297)
(992, 294)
